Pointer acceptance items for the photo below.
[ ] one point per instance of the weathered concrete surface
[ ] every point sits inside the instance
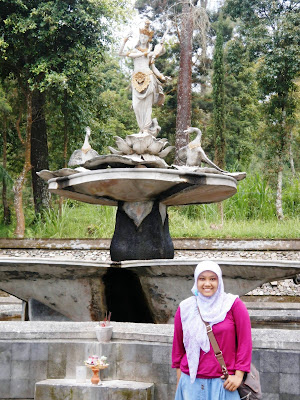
(77, 290)
(74, 289)
(166, 283)
(61, 389)
(143, 184)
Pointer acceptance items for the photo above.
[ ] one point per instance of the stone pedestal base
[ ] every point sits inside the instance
(106, 390)
(150, 239)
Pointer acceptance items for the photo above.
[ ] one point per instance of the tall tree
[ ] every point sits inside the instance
(39, 152)
(184, 87)
(218, 99)
(46, 44)
(272, 31)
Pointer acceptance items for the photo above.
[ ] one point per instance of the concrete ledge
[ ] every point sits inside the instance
(85, 331)
(106, 390)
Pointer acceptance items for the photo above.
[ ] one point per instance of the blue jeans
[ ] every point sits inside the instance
(203, 389)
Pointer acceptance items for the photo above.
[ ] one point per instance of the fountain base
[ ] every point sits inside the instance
(149, 239)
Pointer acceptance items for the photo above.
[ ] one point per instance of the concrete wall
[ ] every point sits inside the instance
(141, 352)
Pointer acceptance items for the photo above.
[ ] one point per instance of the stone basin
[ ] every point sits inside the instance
(134, 291)
(170, 187)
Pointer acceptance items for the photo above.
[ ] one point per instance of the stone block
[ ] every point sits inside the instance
(256, 359)
(271, 396)
(162, 354)
(269, 382)
(111, 351)
(5, 371)
(172, 375)
(39, 351)
(289, 362)
(61, 389)
(4, 388)
(20, 388)
(127, 352)
(56, 360)
(144, 353)
(269, 361)
(288, 397)
(126, 370)
(289, 384)
(143, 372)
(75, 356)
(5, 353)
(20, 370)
(20, 351)
(159, 373)
(38, 370)
(161, 391)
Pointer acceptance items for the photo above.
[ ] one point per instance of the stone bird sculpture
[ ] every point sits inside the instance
(79, 157)
(193, 154)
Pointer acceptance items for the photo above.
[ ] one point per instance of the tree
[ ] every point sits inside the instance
(218, 99)
(272, 32)
(186, 15)
(5, 109)
(47, 44)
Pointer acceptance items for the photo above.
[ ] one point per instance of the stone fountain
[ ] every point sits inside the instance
(143, 282)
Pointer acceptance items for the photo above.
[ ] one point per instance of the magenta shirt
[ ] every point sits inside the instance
(233, 336)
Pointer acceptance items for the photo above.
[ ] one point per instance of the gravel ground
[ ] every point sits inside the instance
(277, 288)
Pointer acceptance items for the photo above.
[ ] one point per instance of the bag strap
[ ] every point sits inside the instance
(215, 346)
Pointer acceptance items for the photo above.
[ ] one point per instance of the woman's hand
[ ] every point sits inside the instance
(129, 34)
(233, 381)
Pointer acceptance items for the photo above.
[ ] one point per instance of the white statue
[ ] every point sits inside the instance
(146, 79)
(193, 155)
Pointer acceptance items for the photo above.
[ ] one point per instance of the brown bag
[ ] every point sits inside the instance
(250, 387)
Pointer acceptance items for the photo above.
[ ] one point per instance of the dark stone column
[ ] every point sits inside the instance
(150, 240)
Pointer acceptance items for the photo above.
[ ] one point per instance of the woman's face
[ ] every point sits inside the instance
(143, 39)
(207, 283)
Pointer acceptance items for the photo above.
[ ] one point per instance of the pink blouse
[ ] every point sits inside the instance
(233, 336)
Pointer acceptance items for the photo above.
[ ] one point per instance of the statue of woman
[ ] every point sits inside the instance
(146, 79)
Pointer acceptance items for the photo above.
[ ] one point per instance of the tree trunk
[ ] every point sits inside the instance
(6, 209)
(66, 136)
(279, 210)
(291, 154)
(64, 109)
(18, 186)
(39, 152)
(183, 120)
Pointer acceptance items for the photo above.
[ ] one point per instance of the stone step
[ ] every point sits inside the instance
(61, 389)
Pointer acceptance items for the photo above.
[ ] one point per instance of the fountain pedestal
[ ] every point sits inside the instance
(149, 239)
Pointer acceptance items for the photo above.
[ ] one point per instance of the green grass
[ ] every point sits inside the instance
(79, 220)
(181, 226)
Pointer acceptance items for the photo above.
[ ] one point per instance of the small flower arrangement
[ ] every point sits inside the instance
(95, 361)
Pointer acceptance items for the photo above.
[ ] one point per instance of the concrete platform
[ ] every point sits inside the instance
(31, 352)
(61, 389)
(79, 290)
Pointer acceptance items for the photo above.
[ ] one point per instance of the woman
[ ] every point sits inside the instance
(199, 375)
(146, 88)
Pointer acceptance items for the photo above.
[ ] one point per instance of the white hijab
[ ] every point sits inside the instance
(213, 310)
